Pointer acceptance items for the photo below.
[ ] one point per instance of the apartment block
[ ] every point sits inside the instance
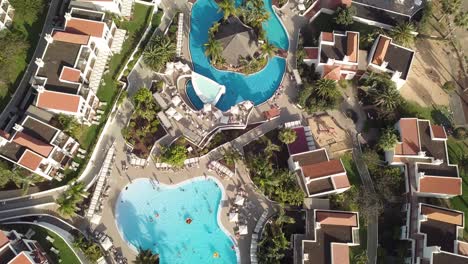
(72, 65)
(16, 248)
(119, 7)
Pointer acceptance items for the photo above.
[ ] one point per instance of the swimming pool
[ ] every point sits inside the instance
(257, 87)
(153, 216)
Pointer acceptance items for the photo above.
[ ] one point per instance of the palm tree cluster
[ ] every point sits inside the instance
(272, 247)
(382, 92)
(287, 135)
(344, 15)
(91, 250)
(68, 201)
(159, 51)
(146, 257)
(144, 122)
(228, 8)
(278, 184)
(214, 50)
(253, 14)
(403, 34)
(322, 95)
(21, 178)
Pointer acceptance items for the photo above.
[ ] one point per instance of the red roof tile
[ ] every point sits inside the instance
(3, 239)
(381, 50)
(70, 37)
(352, 46)
(332, 72)
(70, 74)
(272, 113)
(21, 259)
(341, 181)
(30, 160)
(340, 253)
(409, 136)
(58, 101)
(323, 169)
(442, 215)
(311, 53)
(328, 36)
(38, 146)
(438, 131)
(336, 218)
(86, 27)
(441, 185)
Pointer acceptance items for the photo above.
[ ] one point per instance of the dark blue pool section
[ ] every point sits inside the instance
(257, 87)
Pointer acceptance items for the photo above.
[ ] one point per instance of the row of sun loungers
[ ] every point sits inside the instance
(220, 168)
(254, 241)
(180, 31)
(163, 166)
(191, 162)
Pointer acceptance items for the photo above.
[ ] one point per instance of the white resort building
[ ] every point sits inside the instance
(71, 67)
(119, 7)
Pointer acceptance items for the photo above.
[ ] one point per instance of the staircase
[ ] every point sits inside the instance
(127, 6)
(98, 70)
(118, 41)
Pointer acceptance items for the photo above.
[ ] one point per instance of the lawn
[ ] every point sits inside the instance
(31, 31)
(135, 29)
(456, 149)
(351, 170)
(66, 254)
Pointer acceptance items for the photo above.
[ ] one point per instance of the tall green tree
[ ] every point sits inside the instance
(66, 206)
(231, 155)
(326, 88)
(146, 257)
(388, 139)
(69, 125)
(28, 9)
(213, 49)
(386, 99)
(287, 135)
(403, 34)
(228, 8)
(268, 50)
(344, 15)
(159, 51)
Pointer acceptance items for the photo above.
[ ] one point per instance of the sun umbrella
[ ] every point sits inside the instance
(233, 217)
(171, 111)
(207, 108)
(239, 200)
(243, 230)
(176, 100)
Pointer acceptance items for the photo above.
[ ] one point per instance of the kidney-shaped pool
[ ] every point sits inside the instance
(179, 222)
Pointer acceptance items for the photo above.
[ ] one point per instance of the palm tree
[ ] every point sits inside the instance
(160, 51)
(386, 99)
(214, 29)
(146, 257)
(460, 20)
(228, 8)
(77, 192)
(270, 147)
(287, 136)
(268, 50)
(403, 34)
(326, 88)
(213, 50)
(282, 218)
(67, 206)
(231, 156)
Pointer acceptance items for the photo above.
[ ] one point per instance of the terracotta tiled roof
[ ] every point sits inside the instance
(336, 218)
(352, 46)
(442, 215)
(381, 50)
(340, 253)
(86, 27)
(327, 36)
(341, 181)
(70, 74)
(332, 72)
(311, 53)
(30, 160)
(70, 37)
(441, 185)
(438, 131)
(409, 136)
(58, 101)
(462, 248)
(33, 144)
(322, 169)
(21, 259)
(4, 134)
(273, 112)
(3, 239)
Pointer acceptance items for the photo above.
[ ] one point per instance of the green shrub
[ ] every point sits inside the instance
(460, 133)
(449, 86)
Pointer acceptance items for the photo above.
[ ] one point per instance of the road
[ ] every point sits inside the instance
(21, 92)
(372, 223)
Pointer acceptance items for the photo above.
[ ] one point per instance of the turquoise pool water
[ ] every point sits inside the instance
(153, 216)
(257, 87)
